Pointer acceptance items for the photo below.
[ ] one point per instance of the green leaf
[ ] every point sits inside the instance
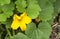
(7, 7)
(8, 23)
(36, 34)
(47, 11)
(5, 15)
(2, 17)
(45, 28)
(21, 36)
(3, 2)
(51, 20)
(32, 1)
(42, 3)
(8, 15)
(30, 28)
(33, 10)
(40, 32)
(52, 1)
(7, 11)
(21, 5)
(57, 6)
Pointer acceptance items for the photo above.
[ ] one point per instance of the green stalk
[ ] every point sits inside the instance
(8, 32)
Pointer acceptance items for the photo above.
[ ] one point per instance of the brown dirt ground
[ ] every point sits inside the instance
(55, 34)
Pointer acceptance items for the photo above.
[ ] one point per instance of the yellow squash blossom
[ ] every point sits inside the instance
(20, 21)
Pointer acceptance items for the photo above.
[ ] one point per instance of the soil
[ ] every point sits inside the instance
(55, 34)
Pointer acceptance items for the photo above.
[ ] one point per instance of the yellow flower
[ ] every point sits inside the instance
(20, 21)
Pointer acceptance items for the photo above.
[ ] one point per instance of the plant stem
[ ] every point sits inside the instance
(8, 32)
(13, 32)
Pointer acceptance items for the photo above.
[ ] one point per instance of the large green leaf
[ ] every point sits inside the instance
(45, 28)
(2, 2)
(33, 10)
(42, 32)
(47, 11)
(20, 36)
(8, 23)
(33, 32)
(21, 5)
(7, 11)
(52, 1)
(37, 34)
(7, 7)
(42, 3)
(32, 1)
(30, 28)
(57, 6)
(2, 17)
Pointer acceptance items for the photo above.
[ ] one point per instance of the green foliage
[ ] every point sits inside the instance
(6, 11)
(57, 6)
(45, 29)
(21, 5)
(21, 36)
(8, 23)
(2, 2)
(30, 28)
(52, 1)
(45, 10)
(33, 12)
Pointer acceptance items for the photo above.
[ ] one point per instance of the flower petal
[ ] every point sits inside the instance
(15, 25)
(27, 19)
(22, 26)
(16, 17)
